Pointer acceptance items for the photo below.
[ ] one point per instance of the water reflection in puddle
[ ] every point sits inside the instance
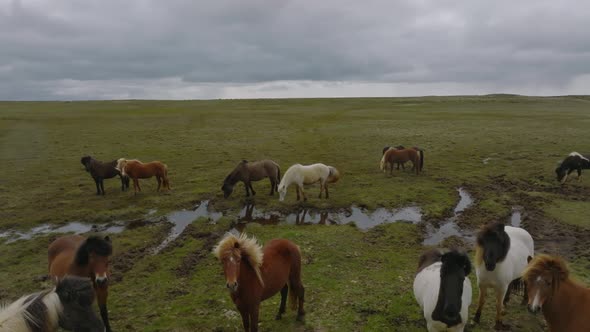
(449, 227)
(516, 216)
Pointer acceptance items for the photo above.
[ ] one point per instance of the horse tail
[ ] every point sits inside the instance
(278, 177)
(421, 159)
(295, 277)
(166, 182)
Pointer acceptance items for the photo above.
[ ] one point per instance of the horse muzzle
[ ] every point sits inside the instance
(101, 281)
(533, 309)
(233, 287)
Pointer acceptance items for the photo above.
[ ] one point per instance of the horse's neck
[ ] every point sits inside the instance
(562, 305)
(248, 275)
(81, 271)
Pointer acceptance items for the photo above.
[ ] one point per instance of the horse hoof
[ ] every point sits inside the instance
(477, 318)
(501, 326)
(278, 317)
(300, 317)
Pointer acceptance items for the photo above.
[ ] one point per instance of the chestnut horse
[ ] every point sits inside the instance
(252, 171)
(401, 147)
(136, 170)
(565, 303)
(392, 156)
(254, 274)
(84, 257)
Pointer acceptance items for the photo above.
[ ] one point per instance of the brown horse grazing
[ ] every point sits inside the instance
(84, 257)
(393, 156)
(136, 170)
(101, 171)
(252, 171)
(254, 274)
(402, 164)
(565, 303)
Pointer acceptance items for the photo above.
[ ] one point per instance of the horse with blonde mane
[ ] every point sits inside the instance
(308, 174)
(565, 303)
(394, 156)
(136, 170)
(254, 274)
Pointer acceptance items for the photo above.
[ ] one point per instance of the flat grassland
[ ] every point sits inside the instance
(502, 149)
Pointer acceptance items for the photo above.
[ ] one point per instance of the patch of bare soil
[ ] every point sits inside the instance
(189, 262)
(124, 261)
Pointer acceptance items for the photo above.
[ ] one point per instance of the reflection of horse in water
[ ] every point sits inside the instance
(300, 217)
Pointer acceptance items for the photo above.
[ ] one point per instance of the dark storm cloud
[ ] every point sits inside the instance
(225, 48)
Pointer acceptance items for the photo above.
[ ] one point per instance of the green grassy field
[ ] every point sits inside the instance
(355, 280)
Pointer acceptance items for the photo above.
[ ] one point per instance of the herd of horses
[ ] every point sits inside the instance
(504, 260)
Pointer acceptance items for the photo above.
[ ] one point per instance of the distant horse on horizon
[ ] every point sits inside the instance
(136, 170)
(103, 170)
(254, 274)
(247, 172)
(301, 175)
(574, 162)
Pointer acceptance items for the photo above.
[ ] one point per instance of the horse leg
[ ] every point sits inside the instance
(499, 308)
(247, 189)
(97, 186)
(579, 174)
(254, 318)
(284, 292)
(101, 182)
(272, 186)
(303, 193)
(251, 188)
(481, 302)
(321, 188)
(245, 318)
(135, 186)
(297, 188)
(159, 179)
(101, 297)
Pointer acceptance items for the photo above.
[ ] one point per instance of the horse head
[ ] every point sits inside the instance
(86, 162)
(494, 242)
(231, 250)
(542, 278)
(94, 253)
(121, 163)
(456, 266)
(76, 295)
(282, 189)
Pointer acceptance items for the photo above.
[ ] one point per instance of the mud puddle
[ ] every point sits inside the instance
(516, 216)
(73, 227)
(449, 227)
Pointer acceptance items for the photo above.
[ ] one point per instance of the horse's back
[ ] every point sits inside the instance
(61, 254)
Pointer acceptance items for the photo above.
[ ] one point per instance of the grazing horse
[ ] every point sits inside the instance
(252, 171)
(392, 156)
(401, 147)
(101, 171)
(254, 274)
(565, 303)
(443, 289)
(501, 255)
(573, 162)
(68, 305)
(308, 174)
(84, 257)
(136, 170)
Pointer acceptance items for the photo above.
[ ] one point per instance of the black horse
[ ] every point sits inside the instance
(574, 162)
(100, 171)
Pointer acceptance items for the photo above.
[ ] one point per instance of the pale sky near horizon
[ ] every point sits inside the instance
(150, 49)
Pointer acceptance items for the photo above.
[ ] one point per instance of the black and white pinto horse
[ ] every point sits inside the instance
(68, 305)
(443, 289)
(574, 162)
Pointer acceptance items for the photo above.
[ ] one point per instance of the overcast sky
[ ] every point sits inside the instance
(195, 49)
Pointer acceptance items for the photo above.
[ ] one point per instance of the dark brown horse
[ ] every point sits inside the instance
(84, 257)
(136, 170)
(252, 171)
(254, 274)
(565, 303)
(392, 156)
(101, 171)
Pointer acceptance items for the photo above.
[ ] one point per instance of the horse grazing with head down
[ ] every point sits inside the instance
(68, 305)
(136, 170)
(573, 162)
(84, 257)
(101, 171)
(401, 147)
(501, 255)
(565, 303)
(308, 174)
(252, 171)
(253, 274)
(443, 289)
(393, 156)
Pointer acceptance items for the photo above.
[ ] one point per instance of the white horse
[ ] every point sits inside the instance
(308, 174)
(68, 305)
(443, 290)
(502, 254)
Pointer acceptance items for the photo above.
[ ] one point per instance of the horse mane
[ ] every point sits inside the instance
(31, 312)
(101, 246)
(495, 228)
(248, 247)
(428, 258)
(543, 263)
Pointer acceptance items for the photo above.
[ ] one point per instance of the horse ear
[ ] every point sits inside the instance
(500, 227)
(107, 238)
(236, 245)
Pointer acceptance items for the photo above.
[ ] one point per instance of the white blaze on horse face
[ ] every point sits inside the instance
(101, 277)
